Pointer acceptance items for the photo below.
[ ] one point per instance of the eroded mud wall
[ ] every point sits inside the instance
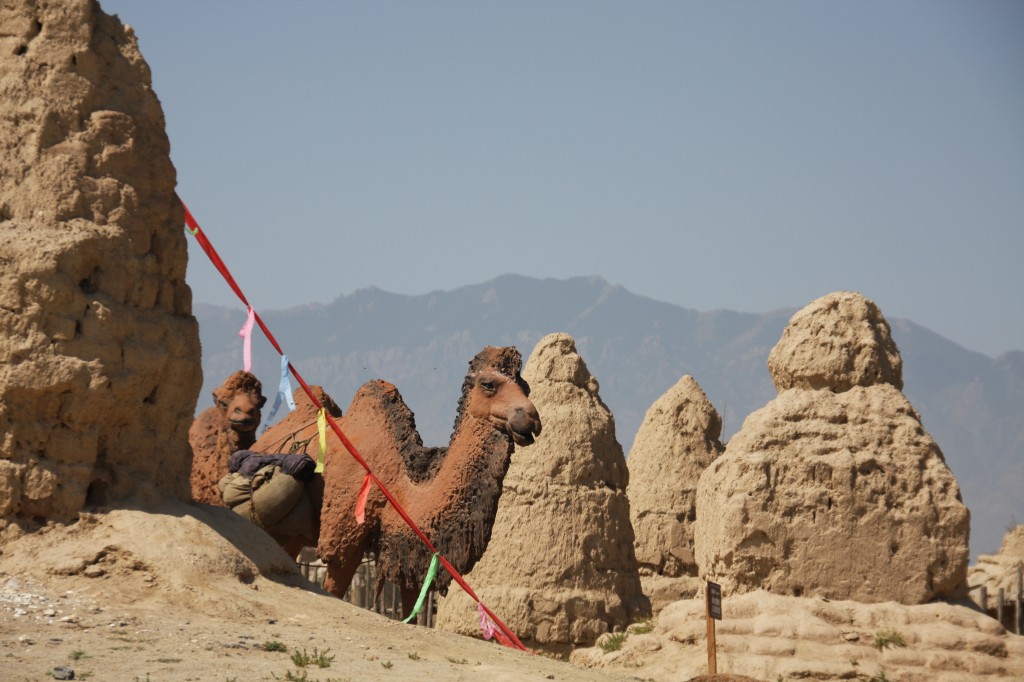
(99, 352)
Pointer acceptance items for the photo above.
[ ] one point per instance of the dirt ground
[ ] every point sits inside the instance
(190, 592)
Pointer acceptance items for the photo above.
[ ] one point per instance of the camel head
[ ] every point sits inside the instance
(240, 399)
(495, 392)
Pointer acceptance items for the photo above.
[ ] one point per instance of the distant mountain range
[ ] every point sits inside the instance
(973, 405)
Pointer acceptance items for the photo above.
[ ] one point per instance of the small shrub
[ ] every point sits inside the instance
(274, 646)
(320, 659)
(414, 656)
(388, 665)
(613, 642)
(890, 637)
(459, 661)
(641, 628)
(78, 655)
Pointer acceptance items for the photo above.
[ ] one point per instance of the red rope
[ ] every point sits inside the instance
(194, 229)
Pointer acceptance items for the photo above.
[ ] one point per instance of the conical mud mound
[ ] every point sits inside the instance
(560, 569)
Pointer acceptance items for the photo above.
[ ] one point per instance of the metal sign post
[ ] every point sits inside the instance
(713, 602)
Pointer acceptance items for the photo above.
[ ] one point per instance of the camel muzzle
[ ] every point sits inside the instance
(247, 424)
(523, 425)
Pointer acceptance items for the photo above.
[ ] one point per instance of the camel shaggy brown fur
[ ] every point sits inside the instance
(450, 493)
(219, 431)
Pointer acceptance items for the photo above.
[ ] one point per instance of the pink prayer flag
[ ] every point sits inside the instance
(485, 623)
(364, 492)
(246, 333)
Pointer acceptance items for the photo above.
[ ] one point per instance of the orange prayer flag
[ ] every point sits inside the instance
(364, 492)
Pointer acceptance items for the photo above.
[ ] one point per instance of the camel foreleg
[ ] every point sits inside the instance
(340, 573)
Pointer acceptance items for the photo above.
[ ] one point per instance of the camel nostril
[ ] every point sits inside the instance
(519, 419)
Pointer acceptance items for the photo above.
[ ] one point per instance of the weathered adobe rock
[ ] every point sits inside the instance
(560, 568)
(677, 440)
(99, 359)
(774, 637)
(836, 342)
(837, 494)
(840, 495)
(1000, 571)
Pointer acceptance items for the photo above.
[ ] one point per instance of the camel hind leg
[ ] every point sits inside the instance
(293, 545)
(409, 596)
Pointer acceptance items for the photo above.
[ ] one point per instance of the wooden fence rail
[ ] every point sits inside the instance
(361, 591)
(1008, 609)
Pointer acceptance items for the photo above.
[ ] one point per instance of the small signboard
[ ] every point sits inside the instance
(715, 600)
(714, 612)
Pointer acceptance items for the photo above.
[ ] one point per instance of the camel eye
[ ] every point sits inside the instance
(487, 385)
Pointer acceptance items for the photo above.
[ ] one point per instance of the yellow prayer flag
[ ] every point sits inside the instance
(321, 422)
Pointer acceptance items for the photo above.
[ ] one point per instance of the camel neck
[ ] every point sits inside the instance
(458, 504)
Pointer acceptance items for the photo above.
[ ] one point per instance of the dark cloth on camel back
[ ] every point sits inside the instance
(248, 462)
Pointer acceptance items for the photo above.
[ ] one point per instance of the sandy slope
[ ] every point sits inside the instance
(172, 595)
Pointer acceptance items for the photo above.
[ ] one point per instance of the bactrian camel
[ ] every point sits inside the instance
(220, 430)
(450, 493)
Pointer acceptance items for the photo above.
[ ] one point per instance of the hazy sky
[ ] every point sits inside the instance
(741, 155)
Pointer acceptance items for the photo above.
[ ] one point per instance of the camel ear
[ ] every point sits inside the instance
(261, 402)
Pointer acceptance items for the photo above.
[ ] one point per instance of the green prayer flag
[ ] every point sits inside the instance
(431, 573)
